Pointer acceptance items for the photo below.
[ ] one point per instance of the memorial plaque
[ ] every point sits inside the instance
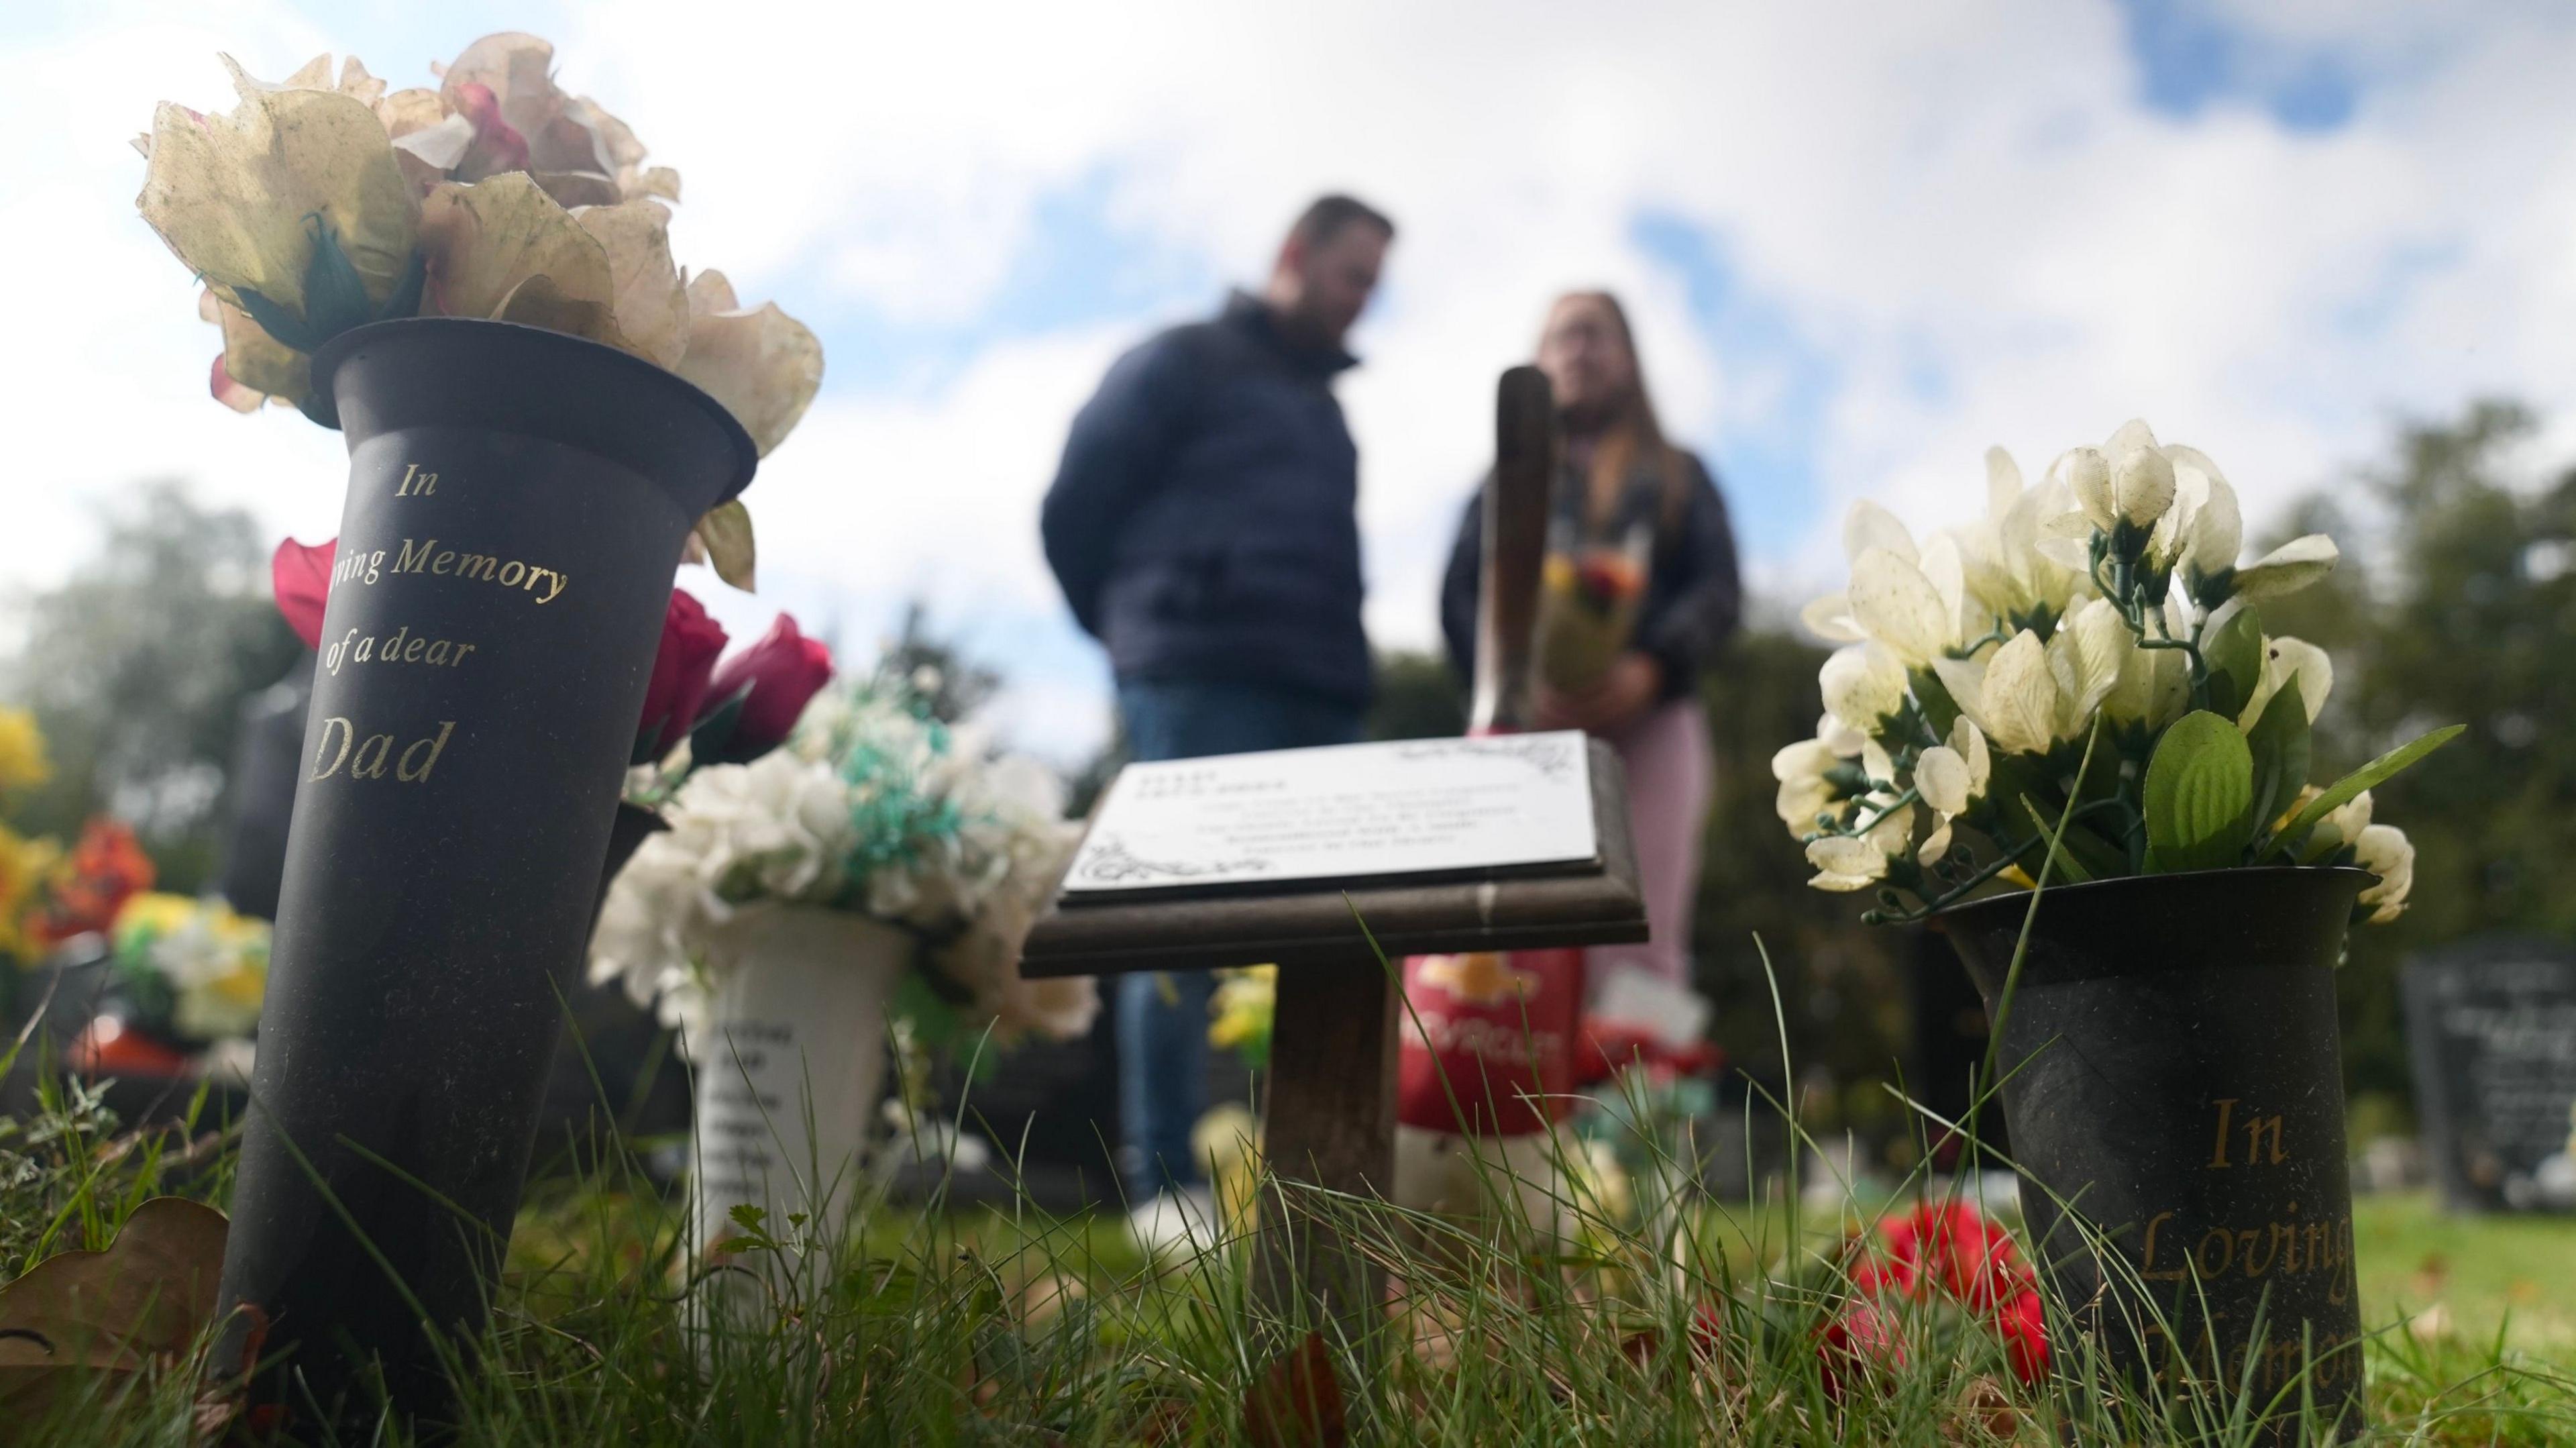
(1421, 808)
(2491, 1027)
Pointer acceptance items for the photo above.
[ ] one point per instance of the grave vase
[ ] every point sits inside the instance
(790, 1070)
(2172, 1080)
(517, 503)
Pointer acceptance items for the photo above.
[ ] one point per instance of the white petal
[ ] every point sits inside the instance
(1862, 683)
(2101, 643)
(1937, 843)
(2020, 697)
(2217, 529)
(2284, 658)
(1870, 526)
(2287, 569)
(1829, 618)
(1899, 607)
(1942, 778)
(2142, 484)
(2087, 473)
(1969, 743)
(1875, 762)
(1965, 680)
(1805, 759)
(2003, 483)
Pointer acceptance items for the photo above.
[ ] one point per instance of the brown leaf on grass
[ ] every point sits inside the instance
(143, 1299)
(1298, 1402)
(1984, 1412)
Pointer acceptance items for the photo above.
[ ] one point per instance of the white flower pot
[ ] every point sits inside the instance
(790, 1067)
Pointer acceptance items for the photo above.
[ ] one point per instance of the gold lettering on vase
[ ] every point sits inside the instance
(367, 755)
(2263, 1146)
(416, 483)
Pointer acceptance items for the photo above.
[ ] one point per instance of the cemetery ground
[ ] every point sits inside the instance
(944, 1324)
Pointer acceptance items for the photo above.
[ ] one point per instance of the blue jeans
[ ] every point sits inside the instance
(1163, 1015)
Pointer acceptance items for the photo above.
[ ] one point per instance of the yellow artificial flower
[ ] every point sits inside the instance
(23, 764)
(24, 864)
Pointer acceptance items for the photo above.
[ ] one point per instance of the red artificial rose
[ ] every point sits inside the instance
(301, 577)
(2024, 1324)
(681, 666)
(782, 671)
(1861, 1338)
(1957, 1248)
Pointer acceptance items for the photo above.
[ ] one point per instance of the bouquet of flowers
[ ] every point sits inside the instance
(191, 971)
(320, 205)
(2088, 665)
(873, 806)
(1587, 607)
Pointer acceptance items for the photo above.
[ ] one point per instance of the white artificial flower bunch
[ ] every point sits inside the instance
(2085, 663)
(872, 807)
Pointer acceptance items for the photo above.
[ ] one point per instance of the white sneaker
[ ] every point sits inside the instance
(1174, 1223)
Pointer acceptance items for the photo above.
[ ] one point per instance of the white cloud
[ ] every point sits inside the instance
(1962, 210)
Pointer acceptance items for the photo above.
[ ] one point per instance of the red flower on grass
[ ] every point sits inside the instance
(1955, 1251)
(1861, 1339)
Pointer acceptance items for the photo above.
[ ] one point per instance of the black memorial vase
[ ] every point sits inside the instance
(518, 500)
(2173, 1084)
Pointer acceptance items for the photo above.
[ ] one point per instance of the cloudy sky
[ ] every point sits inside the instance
(1862, 241)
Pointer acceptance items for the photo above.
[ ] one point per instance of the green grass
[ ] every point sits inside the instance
(1010, 1327)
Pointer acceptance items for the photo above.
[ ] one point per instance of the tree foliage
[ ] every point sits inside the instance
(137, 666)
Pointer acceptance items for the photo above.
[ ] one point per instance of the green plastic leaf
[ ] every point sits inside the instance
(2370, 776)
(1933, 699)
(2234, 655)
(405, 299)
(278, 322)
(335, 296)
(2081, 856)
(2199, 796)
(711, 738)
(725, 534)
(2279, 741)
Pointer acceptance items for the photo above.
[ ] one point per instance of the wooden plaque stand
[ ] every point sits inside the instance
(1331, 1111)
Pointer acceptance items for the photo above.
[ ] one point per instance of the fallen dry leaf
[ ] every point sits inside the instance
(1298, 1402)
(142, 1300)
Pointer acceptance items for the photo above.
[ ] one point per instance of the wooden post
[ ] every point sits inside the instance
(1329, 1132)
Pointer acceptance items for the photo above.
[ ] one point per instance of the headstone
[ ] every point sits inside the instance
(2491, 1026)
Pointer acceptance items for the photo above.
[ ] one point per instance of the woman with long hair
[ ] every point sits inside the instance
(1640, 588)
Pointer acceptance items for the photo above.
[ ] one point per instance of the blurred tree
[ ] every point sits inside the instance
(2461, 608)
(1418, 697)
(1840, 983)
(954, 685)
(137, 666)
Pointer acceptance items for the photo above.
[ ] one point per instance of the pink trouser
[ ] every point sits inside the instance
(1669, 778)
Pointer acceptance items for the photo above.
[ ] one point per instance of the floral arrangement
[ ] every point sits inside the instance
(48, 896)
(731, 714)
(1588, 602)
(873, 806)
(1241, 1010)
(319, 205)
(191, 970)
(2081, 677)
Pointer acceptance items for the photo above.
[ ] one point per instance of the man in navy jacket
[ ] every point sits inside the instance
(1204, 527)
